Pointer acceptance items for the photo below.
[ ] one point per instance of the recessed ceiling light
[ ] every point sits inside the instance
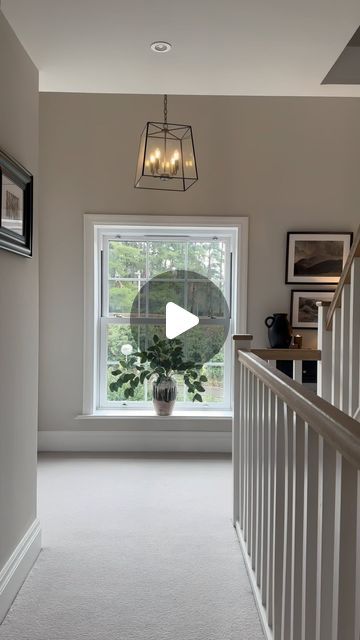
(160, 47)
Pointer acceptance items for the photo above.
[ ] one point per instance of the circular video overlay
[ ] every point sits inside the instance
(185, 305)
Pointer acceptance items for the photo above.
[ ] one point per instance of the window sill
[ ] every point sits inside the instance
(116, 414)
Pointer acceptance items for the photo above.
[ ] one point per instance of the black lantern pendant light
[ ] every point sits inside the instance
(166, 156)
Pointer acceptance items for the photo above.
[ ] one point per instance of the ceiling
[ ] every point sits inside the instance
(226, 47)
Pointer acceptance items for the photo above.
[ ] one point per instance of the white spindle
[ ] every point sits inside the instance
(272, 426)
(288, 524)
(236, 439)
(335, 358)
(265, 493)
(242, 439)
(298, 527)
(254, 475)
(324, 365)
(249, 461)
(336, 562)
(348, 593)
(250, 532)
(297, 370)
(330, 523)
(312, 531)
(246, 451)
(344, 349)
(280, 520)
(319, 555)
(259, 483)
(354, 337)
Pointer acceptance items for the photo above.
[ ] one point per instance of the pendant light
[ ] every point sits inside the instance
(166, 158)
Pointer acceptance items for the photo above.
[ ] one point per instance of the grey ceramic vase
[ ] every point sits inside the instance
(164, 396)
(279, 330)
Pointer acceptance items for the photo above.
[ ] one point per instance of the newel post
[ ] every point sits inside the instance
(241, 343)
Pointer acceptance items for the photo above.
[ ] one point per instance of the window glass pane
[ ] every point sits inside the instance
(207, 259)
(127, 259)
(121, 296)
(118, 396)
(160, 293)
(181, 390)
(199, 337)
(214, 387)
(120, 335)
(146, 333)
(165, 256)
(117, 337)
(215, 384)
(204, 300)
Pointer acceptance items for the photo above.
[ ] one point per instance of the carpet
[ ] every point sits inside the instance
(135, 548)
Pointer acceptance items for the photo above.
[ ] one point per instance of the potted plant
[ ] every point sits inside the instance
(160, 362)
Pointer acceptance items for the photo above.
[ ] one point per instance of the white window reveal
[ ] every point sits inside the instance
(123, 258)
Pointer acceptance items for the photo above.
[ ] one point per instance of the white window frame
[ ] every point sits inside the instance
(95, 226)
(198, 235)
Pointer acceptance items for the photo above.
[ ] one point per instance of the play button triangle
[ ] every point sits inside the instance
(178, 320)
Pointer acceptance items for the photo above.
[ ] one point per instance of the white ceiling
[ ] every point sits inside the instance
(223, 47)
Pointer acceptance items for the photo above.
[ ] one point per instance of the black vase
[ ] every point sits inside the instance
(279, 330)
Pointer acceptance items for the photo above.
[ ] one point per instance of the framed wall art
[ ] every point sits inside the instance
(16, 213)
(304, 310)
(316, 258)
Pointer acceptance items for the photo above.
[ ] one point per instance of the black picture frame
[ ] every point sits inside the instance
(16, 206)
(314, 295)
(313, 273)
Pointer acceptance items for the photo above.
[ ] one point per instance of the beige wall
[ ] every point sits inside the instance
(287, 163)
(18, 308)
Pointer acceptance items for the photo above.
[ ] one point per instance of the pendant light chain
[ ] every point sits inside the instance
(165, 108)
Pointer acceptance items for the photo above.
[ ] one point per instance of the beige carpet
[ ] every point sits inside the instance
(135, 549)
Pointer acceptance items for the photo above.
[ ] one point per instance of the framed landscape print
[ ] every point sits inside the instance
(16, 212)
(316, 258)
(304, 310)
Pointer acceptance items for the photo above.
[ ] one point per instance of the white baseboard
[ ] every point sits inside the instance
(136, 441)
(13, 574)
(257, 595)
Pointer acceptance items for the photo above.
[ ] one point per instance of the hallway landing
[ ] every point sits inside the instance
(135, 548)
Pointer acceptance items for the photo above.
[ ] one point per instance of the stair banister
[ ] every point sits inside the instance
(339, 339)
(344, 279)
(296, 503)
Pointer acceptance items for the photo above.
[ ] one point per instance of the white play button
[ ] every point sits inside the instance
(178, 320)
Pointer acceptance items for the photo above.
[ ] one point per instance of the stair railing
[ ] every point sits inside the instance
(339, 339)
(296, 503)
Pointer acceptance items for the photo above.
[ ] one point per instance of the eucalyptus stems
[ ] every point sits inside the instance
(160, 361)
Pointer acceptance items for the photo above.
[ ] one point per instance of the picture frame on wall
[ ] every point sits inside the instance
(304, 310)
(316, 258)
(16, 212)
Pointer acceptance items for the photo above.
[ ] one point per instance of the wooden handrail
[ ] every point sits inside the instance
(287, 354)
(345, 278)
(276, 354)
(341, 431)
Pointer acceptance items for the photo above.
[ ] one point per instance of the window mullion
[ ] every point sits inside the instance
(105, 278)
(103, 401)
